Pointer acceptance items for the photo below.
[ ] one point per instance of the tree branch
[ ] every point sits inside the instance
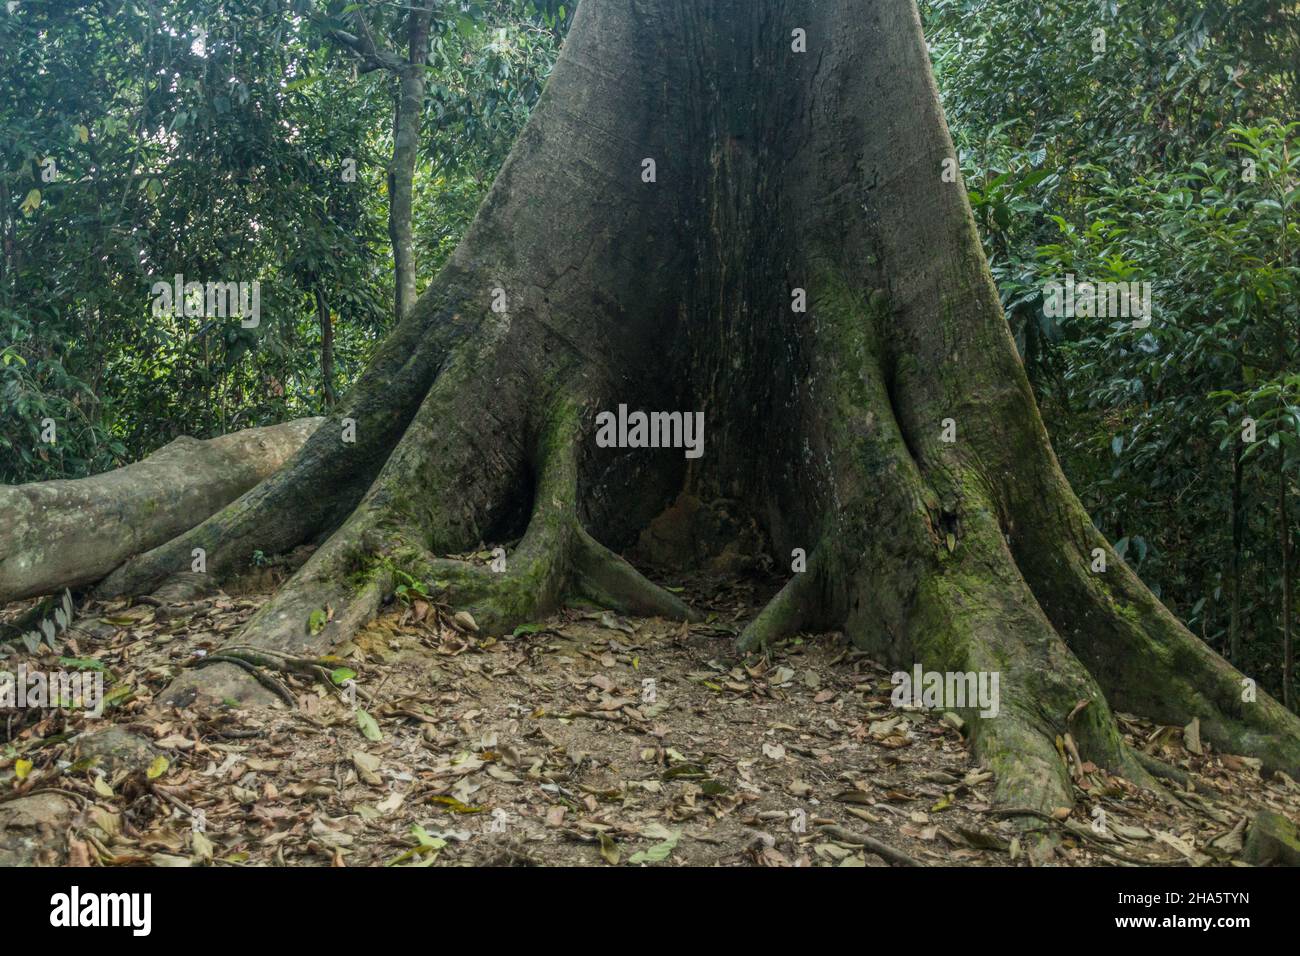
(371, 56)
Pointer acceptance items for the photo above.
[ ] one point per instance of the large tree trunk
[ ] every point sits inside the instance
(775, 171)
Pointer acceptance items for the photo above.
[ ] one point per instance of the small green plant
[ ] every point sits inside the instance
(408, 588)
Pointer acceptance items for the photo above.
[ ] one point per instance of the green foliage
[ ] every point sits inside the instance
(211, 139)
(1128, 165)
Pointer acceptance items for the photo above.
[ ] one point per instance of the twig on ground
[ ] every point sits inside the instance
(871, 845)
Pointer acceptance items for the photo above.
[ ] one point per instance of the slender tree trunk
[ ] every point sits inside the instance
(407, 120)
(408, 113)
(1284, 542)
(1234, 570)
(736, 209)
(6, 242)
(326, 349)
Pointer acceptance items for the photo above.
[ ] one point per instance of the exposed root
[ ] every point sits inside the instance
(534, 578)
(422, 373)
(344, 583)
(872, 845)
(1139, 653)
(972, 613)
(264, 664)
(607, 579)
(1161, 770)
(266, 680)
(65, 534)
(978, 615)
(556, 557)
(1082, 832)
(1172, 676)
(787, 612)
(273, 518)
(317, 607)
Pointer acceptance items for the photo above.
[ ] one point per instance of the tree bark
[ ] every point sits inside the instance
(407, 120)
(58, 534)
(326, 349)
(408, 115)
(1284, 548)
(687, 177)
(1234, 568)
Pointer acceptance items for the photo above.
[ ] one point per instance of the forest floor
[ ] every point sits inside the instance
(588, 739)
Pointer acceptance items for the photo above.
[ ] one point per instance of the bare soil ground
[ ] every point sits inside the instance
(584, 740)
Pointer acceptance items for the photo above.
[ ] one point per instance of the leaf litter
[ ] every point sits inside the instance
(587, 739)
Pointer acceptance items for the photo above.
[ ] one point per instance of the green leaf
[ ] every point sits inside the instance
(303, 81)
(426, 849)
(455, 806)
(660, 851)
(421, 834)
(117, 694)
(656, 854)
(609, 849)
(82, 663)
(369, 726)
